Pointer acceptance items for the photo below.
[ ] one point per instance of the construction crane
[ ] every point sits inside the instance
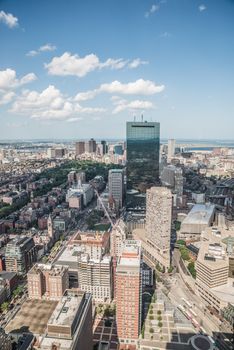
(107, 214)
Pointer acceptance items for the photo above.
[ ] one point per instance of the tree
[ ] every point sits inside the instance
(19, 290)
(151, 330)
(170, 269)
(158, 267)
(4, 306)
(160, 324)
(159, 318)
(159, 312)
(177, 225)
(180, 241)
(151, 317)
(192, 269)
(184, 253)
(151, 312)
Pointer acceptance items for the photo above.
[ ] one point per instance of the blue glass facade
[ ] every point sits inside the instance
(143, 144)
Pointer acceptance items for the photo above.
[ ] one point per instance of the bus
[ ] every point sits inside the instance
(186, 302)
(193, 312)
(188, 315)
(181, 308)
(203, 331)
(195, 323)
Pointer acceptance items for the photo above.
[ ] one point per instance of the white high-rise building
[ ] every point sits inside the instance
(116, 186)
(158, 222)
(171, 149)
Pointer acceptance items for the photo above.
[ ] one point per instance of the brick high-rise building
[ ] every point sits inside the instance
(47, 281)
(80, 148)
(129, 293)
(158, 223)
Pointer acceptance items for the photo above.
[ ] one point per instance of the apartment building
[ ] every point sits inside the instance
(20, 255)
(158, 223)
(47, 281)
(95, 277)
(129, 293)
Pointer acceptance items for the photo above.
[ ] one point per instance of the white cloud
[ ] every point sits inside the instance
(73, 120)
(8, 19)
(43, 48)
(138, 87)
(84, 96)
(32, 53)
(118, 63)
(50, 104)
(47, 47)
(6, 97)
(136, 62)
(202, 7)
(154, 8)
(121, 105)
(74, 65)
(9, 81)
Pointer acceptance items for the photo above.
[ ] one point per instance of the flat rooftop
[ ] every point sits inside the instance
(65, 311)
(32, 317)
(135, 262)
(225, 292)
(72, 254)
(199, 214)
(69, 255)
(54, 270)
(86, 237)
(215, 263)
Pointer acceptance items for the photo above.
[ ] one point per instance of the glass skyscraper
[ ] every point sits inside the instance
(143, 144)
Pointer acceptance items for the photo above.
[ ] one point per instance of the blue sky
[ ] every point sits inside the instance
(79, 69)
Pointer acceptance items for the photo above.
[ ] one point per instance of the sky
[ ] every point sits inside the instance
(82, 68)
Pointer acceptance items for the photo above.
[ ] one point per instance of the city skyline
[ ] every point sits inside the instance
(64, 75)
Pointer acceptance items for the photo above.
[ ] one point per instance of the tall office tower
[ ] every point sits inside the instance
(142, 160)
(104, 147)
(80, 148)
(129, 293)
(92, 146)
(158, 223)
(171, 149)
(20, 255)
(116, 187)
